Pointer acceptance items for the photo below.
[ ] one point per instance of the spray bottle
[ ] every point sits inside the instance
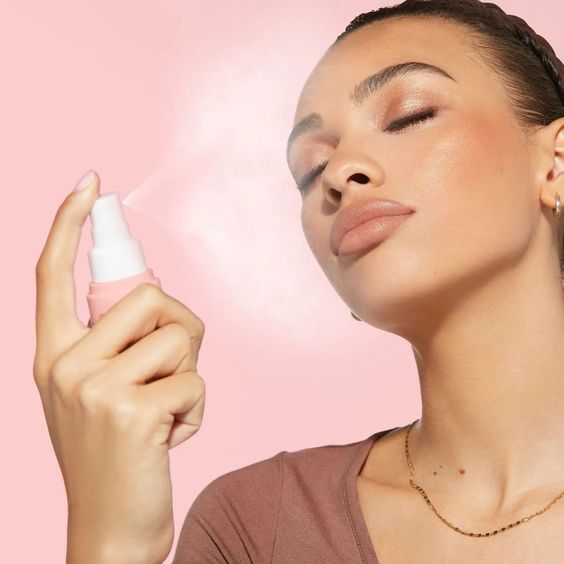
(117, 263)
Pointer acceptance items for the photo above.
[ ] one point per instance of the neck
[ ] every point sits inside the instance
(492, 385)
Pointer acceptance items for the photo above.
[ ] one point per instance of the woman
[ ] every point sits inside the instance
(454, 111)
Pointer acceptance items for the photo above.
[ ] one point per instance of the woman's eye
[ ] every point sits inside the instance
(311, 176)
(411, 120)
(394, 127)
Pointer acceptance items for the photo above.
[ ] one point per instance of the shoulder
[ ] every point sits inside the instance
(235, 517)
(255, 484)
(264, 474)
(253, 493)
(264, 478)
(259, 484)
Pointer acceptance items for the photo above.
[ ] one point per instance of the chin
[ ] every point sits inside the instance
(395, 299)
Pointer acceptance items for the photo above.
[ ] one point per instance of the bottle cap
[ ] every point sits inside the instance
(115, 254)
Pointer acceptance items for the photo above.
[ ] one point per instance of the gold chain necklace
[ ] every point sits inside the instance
(458, 529)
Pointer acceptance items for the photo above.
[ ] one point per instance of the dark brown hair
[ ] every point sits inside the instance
(527, 65)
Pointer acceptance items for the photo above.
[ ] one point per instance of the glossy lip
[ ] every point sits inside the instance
(370, 233)
(361, 211)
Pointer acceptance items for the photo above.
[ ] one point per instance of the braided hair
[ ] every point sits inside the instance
(529, 68)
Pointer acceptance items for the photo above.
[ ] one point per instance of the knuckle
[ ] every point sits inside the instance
(194, 324)
(196, 329)
(94, 396)
(59, 379)
(148, 292)
(178, 333)
(200, 328)
(39, 370)
(149, 296)
(61, 370)
(89, 393)
(199, 384)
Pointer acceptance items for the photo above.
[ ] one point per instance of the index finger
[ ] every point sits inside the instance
(55, 292)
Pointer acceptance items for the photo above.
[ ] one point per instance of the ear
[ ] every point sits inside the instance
(551, 143)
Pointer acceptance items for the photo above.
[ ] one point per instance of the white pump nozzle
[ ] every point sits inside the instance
(115, 253)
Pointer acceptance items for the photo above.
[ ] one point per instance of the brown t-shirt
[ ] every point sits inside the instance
(298, 507)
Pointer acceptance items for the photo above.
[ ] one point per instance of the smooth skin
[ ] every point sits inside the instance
(116, 396)
(471, 281)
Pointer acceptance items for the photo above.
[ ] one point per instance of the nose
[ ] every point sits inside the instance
(342, 180)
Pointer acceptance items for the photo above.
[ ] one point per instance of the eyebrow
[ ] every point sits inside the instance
(363, 90)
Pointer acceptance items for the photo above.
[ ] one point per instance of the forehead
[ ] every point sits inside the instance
(374, 46)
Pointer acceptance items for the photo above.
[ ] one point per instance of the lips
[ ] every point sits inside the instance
(361, 211)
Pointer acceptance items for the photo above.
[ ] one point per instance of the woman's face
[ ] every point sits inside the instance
(465, 170)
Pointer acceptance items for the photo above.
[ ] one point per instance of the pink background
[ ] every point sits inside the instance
(184, 108)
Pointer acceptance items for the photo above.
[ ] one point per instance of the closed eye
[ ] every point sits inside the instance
(394, 128)
(311, 176)
(411, 120)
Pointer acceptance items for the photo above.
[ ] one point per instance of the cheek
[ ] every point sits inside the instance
(316, 227)
(471, 185)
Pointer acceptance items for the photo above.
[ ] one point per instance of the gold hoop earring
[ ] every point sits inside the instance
(357, 318)
(557, 211)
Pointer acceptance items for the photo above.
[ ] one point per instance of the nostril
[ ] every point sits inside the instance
(336, 193)
(359, 177)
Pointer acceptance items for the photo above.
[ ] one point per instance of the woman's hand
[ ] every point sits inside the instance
(116, 396)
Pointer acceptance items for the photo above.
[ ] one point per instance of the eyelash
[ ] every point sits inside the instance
(395, 127)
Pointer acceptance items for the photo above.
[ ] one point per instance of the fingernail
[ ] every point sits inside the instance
(85, 181)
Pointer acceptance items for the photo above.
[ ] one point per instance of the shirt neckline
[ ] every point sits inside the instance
(352, 501)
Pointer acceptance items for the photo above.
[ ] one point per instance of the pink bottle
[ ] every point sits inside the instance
(117, 263)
